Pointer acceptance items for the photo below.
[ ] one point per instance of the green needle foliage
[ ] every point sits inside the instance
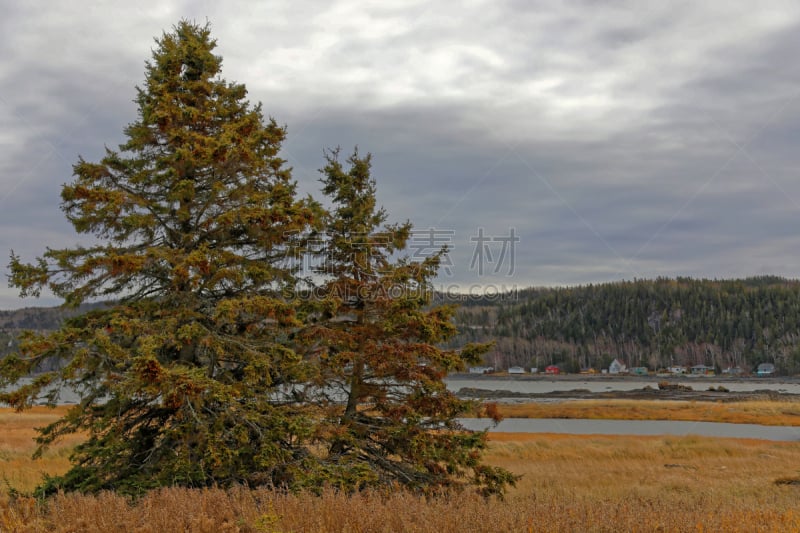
(193, 216)
(216, 363)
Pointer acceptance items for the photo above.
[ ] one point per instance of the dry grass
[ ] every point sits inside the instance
(570, 483)
(765, 412)
(17, 433)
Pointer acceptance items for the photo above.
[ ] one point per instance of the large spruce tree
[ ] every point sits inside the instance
(192, 218)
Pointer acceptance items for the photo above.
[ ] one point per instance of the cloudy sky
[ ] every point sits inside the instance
(547, 143)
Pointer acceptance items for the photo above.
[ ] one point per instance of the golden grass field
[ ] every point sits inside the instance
(570, 483)
(764, 412)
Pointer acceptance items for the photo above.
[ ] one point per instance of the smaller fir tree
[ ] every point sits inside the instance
(388, 416)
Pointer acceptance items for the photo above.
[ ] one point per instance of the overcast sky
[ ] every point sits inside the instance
(547, 143)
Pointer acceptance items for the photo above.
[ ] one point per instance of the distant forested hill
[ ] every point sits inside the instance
(33, 318)
(644, 323)
(653, 323)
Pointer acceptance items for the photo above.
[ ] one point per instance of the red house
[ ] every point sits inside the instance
(552, 369)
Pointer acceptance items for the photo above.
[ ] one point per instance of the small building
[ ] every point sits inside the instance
(617, 367)
(702, 370)
(481, 370)
(765, 369)
(552, 369)
(677, 370)
(640, 371)
(516, 370)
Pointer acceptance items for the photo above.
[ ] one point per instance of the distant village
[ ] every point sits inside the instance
(618, 368)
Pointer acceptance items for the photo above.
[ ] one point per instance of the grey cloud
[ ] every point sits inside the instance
(605, 134)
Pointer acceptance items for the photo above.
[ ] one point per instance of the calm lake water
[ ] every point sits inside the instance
(635, 427)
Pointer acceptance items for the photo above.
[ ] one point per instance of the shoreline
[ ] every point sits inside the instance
(646, 393)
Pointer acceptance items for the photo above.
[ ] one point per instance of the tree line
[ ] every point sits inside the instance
(654, 323)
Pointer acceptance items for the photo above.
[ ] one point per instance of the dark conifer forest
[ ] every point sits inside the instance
(653, 323)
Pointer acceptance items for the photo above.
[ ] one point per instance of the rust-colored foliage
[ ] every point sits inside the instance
(492, 411)
(376, 338)
(150, 371)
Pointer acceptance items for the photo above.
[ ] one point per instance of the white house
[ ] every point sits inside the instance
(617, 367)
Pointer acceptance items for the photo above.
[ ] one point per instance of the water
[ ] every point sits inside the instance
(540, 385)
(635, 427)
(65, 394)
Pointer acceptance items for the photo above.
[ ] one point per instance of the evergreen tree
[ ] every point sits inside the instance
(208, 367)
(377, 341)
(180, 378)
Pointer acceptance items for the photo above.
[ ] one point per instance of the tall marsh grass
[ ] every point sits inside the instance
(764, 412)
(570, 483)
